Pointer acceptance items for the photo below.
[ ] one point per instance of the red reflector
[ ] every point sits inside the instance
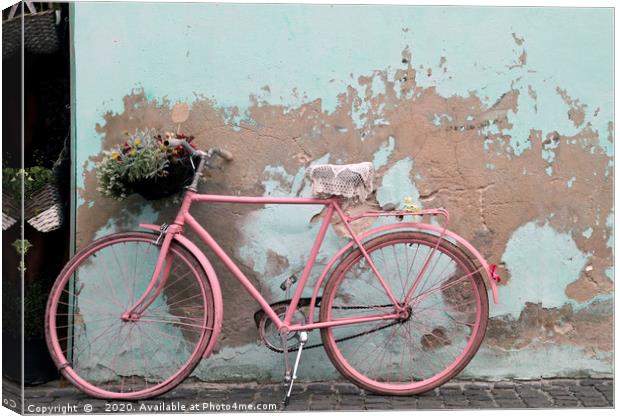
(493, 273)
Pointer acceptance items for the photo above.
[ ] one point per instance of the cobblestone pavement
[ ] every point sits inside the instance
(192, 396)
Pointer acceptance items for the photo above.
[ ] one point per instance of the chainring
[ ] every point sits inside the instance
(269, 334)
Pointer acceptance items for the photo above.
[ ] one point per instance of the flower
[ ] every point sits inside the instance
(142, 156)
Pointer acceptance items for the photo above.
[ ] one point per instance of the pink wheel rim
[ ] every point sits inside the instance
(206, 294)
(375, 358)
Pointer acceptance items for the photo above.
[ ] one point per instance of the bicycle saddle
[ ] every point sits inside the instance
(354, 181)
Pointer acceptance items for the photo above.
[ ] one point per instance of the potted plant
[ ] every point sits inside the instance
(143, 164)
(11, 196)
(42, 202)
(38, 367)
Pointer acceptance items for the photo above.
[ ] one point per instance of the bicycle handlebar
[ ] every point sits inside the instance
(224, 154)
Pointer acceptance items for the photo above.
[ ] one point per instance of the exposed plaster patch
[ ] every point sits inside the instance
(519, 41)
(577, 111)
(582, 326)
(521, 62)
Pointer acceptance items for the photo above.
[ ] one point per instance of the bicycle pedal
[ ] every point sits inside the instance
(290, 281)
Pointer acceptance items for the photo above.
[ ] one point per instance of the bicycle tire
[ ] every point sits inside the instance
(183, 328)
(379, 383)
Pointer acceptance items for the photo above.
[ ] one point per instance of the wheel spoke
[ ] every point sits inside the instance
(439, 325)
(128, 357)
(442, 287)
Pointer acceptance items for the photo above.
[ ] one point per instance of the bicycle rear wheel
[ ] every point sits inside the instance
(111, 358)
(446, 320)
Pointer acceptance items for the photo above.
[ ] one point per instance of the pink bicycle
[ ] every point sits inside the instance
(404, 306)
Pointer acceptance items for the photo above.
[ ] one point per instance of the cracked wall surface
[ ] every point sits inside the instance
(492, 113)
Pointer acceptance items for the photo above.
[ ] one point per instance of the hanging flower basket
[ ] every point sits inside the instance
(144, 165)
(11, 36)
(10, 211)
(41, 32)
(44, 209)
(40, 29)
(175, 178)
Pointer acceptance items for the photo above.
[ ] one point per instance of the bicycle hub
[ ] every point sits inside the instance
(405, 314)
(127, 317)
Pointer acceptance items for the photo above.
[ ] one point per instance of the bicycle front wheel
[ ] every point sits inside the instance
(114, 358)
(444, 325)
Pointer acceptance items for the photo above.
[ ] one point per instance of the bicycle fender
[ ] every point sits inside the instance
(213, 281)
(489, 270)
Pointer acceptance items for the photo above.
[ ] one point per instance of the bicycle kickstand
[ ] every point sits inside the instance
(303, 338)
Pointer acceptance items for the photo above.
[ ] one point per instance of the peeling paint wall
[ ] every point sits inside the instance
(504, 116)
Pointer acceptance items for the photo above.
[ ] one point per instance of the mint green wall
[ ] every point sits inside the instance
(228, 53)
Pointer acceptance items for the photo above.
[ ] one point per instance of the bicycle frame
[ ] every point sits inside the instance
(332, 206)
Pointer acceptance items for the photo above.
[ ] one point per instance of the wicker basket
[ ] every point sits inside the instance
(10, 212)
(40, 31)
(11, 37)
(44, 210)
(178, 176)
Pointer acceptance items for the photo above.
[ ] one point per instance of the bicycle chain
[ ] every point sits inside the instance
(307, 347)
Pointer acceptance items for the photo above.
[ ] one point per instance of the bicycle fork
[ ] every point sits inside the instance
(156, 284)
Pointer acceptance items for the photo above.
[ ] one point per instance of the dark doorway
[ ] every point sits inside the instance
(45, 159)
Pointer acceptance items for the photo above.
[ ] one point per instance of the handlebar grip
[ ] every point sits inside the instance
(172, 143)
(225, 154)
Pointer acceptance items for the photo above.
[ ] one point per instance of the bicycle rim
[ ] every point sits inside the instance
(447, 317)
(112, 358)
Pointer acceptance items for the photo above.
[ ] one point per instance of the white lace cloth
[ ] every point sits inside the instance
(354, 181)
